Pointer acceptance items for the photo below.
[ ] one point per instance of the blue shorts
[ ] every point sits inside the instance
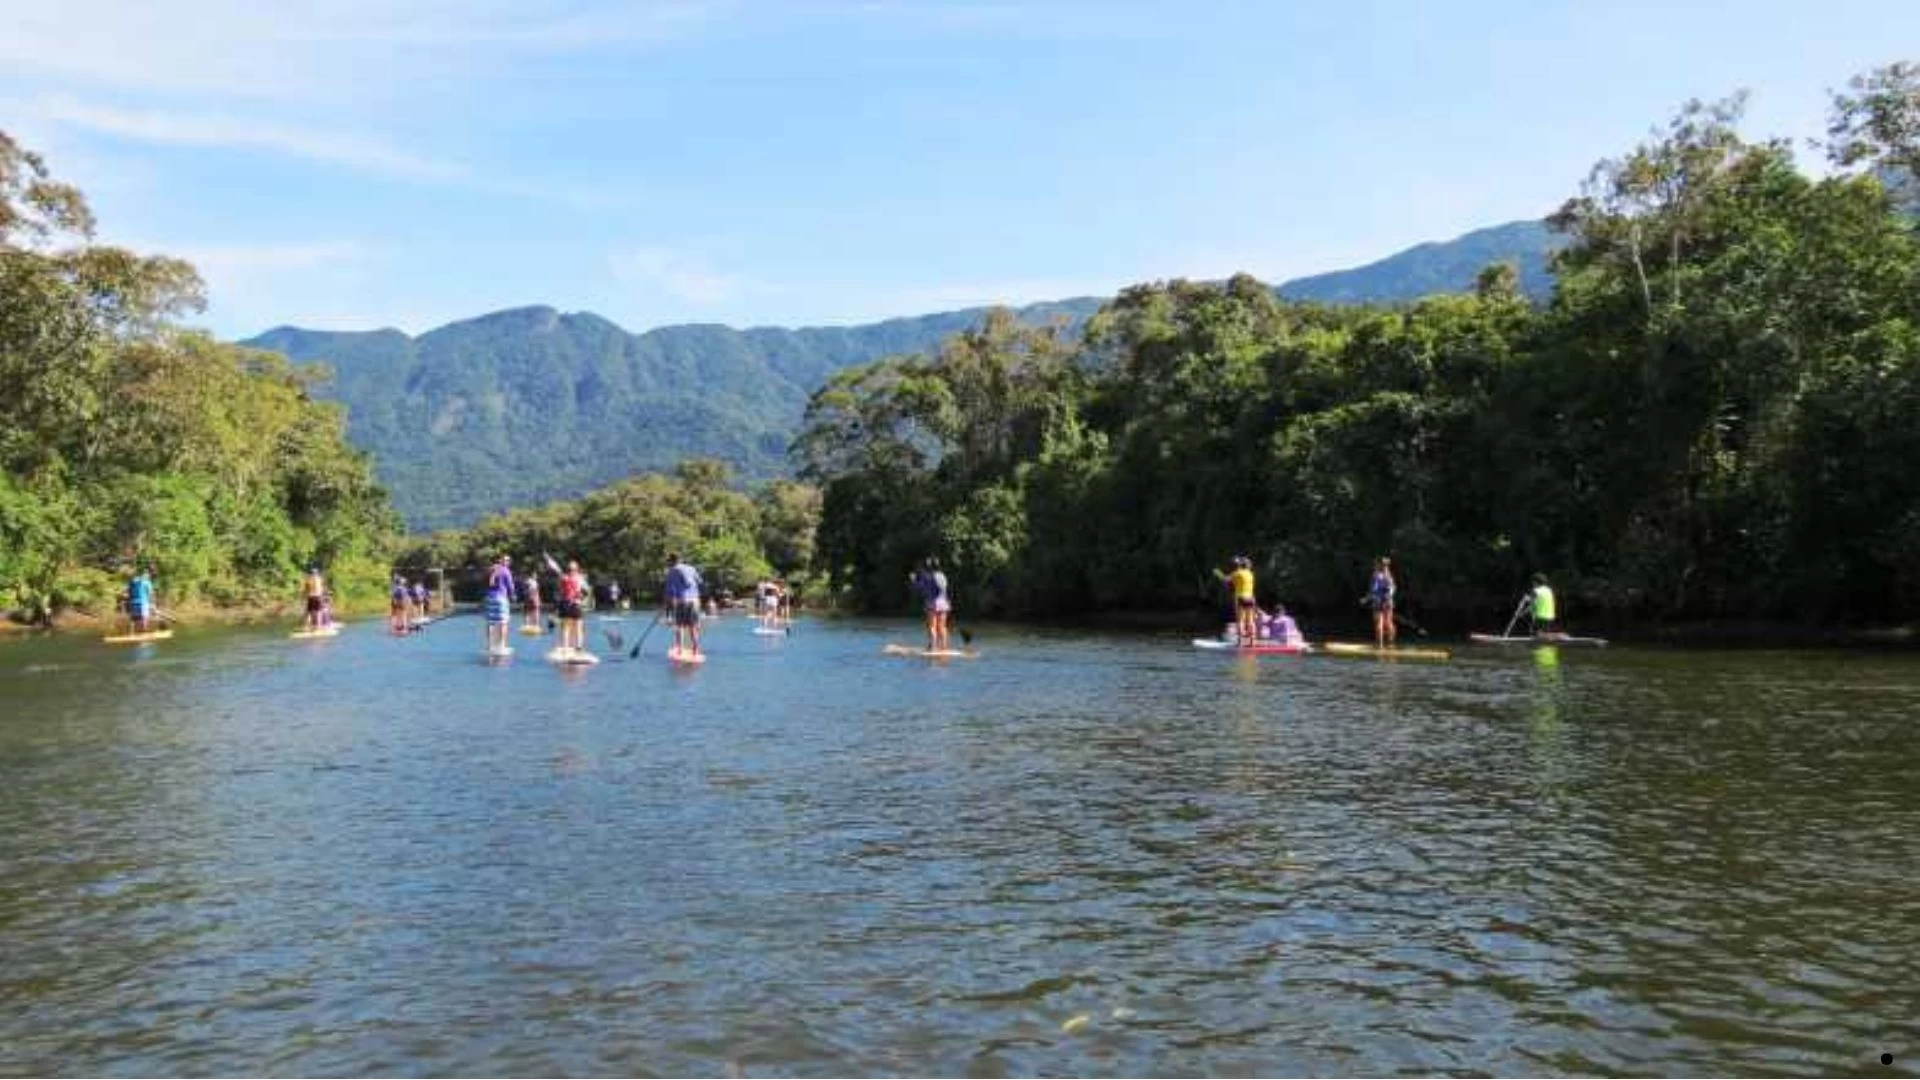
(496, 608)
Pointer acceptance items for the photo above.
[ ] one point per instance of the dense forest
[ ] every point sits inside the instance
(1715, 415)
(126, 440)
(624, 532)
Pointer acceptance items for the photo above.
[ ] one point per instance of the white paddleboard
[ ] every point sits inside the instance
(930, 654)
(498, 652)
(325, 631)
(571, 656)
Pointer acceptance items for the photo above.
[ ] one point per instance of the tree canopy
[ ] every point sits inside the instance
(1712, 416)
(126, 440)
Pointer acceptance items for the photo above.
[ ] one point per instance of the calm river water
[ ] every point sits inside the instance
(232, 853)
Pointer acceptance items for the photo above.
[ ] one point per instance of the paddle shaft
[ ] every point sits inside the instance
(635, 654)
(1517, 609)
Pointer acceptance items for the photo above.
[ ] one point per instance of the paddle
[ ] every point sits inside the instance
(1517, 609)
(635, 654)
(1414, 626)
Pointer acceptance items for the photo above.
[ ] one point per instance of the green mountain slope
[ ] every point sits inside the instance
(528, 405)
(1448, 266)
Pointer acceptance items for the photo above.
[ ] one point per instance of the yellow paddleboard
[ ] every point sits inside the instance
(531, 631)
(325, 631)
(1342, 648)
(135, 639)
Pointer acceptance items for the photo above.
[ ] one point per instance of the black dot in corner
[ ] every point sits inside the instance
(1886, 1059)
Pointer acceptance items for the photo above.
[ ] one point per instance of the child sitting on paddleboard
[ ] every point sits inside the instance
(1280, 628)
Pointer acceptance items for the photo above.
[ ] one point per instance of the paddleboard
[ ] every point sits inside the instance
(1535, 640)
(531, 631)
(572, 656)
(325, 631)
(1343, 648)
(500, 651)
(681, 656)
(768, 631)
(930, 654)
(136, 639)
(1265, 648)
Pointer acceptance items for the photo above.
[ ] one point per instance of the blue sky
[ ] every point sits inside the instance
(362, 163)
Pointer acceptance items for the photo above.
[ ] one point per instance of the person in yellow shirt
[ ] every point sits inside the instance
(1545, 611)
(1245, 611)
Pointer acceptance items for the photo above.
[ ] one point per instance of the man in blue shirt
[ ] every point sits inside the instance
(683, 605)
(140, 600)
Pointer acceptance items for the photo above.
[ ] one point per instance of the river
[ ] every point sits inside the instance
(1079, 853)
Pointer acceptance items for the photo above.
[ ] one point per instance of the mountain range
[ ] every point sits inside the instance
(524, 406)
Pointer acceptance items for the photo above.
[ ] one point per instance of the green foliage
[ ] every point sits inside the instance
(125, 440)
(624, 532)
(1712, 417)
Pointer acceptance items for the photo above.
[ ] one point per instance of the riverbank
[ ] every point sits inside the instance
(191, 614)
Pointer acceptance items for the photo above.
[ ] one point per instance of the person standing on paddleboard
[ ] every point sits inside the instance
(931, 585)
(315, 588)
(1246, 612)
(573, 598)
(1380, 592)
(1545, 613)
(398, 602)
(682, 593)
(418, 592)
(498, 604)
(531, 586)
(140, 600)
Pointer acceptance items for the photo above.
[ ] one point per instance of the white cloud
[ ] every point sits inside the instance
(221, 261)
(676, 275)
(611, 26)
(317, 49)
(207, 129)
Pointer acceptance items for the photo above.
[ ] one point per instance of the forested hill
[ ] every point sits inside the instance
(523, 406)
(1447, 266)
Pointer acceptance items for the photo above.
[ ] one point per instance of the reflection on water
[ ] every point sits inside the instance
(1078, 854)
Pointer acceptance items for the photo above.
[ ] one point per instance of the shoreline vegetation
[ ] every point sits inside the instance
(1709, 423)
(128, 441)
(1704, 435)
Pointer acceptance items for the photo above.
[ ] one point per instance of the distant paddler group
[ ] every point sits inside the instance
(1256, 630)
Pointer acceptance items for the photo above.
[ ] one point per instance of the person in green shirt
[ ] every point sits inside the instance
(1545, 613)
